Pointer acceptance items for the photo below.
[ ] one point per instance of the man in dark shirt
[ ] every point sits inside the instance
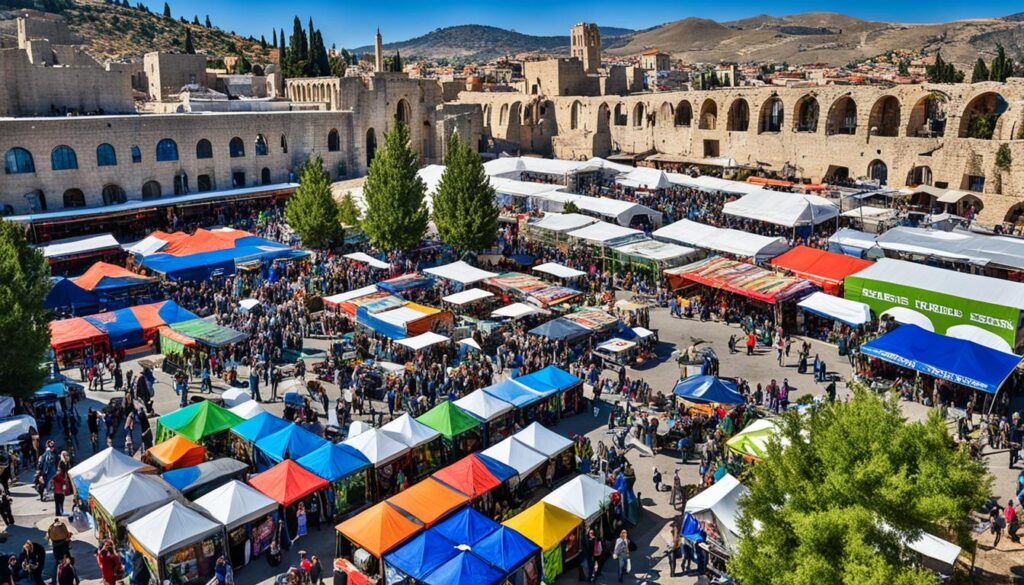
(32, 559)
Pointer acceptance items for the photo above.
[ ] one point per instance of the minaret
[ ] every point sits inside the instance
(378, 46)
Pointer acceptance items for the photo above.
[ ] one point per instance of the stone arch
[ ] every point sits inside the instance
(684, 114)
(772, 116)
(919, 175)
(403, 112)
(738, 119)
(333, 141)
(1015, 214)
(503, 115)
(428, 140)
(604, 114)
(36, 201)
(842, 117)
(487, 115)
(621, 117)
(514, 111)
(574, 115)
(204, 149)
(982, 115)
(878, 171)
(371, 146)
(807, 113)
(928, 116)
(18, 160)
(885, 117)
(284, 144)
(708, 114)
(113, 194)
(666, 114)
(74, 198)
(262, 146)
(236, 148)
(180, 183)
(151, 190)
(639, 114)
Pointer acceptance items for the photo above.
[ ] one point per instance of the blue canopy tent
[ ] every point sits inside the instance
(555, 379)
(422, 554)
(465, 569)
(955, 360)
(515, 393)
(129, 327)
(204, 265)
(691, 529)
(707, 389)
(467, 526)
(348, 472)
(559, 329)
(506, 549)
(390, 330)
(244, 435)
(66, 295)
(500, 470)
(291, 442)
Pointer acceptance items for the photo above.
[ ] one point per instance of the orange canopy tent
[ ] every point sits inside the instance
(201, 241)
(378, 529)
(287, 482)
(428, 501)
(769, 182)
(100, 270)
(67, 334)
(175, 453)
(825, 269)
(469, 475)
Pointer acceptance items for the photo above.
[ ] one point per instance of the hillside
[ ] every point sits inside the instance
(115, 31)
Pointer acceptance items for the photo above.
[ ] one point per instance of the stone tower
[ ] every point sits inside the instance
(378, 47)
(586, 45)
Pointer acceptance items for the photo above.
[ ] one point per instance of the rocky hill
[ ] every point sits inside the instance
(111, 30)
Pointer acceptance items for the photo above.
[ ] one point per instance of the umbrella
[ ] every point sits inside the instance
(707, 389)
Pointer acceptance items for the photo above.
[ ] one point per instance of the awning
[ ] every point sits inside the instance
(558, 270)
(58, 249)
(546, 525)
(516, 455)
(199, 420)
(482, 405)
(785, 209)
(132, 494)
(466, 568)
(542, 440)
(423, 340)
(468, 475)
(287, 482)
(209, 333)
(291, 442)
(377, 446)
(563, 222)
(707, 389)
(467, 296)
(826, 269)
(559, 329)
(516, 311)
(352, 294)
(378, 529)
(607, 234)
(583, 496)
(410, 431)
(460, 272)
(171, 527)
(102, 276)
(448, 419)
(422, 554)
(722, 500)
(550, 379)
(236, 503)
(955, 360)
(506, 549)
(365, 258)
(428, 501)
(839, 309)
(739, 278)
(954, 196)
(107, 464)
(177, 452)
(514, 393)
(259, 426)
(333, 461)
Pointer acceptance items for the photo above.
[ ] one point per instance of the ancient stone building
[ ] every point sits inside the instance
(585, 45)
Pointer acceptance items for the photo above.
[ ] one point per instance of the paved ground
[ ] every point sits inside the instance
(650, 564)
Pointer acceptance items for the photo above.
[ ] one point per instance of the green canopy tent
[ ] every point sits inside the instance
(209, 333)
(203, 423)
(461, 431)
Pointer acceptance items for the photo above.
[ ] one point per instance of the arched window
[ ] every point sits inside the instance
(928, 118)
(981, 116)
(74, 198)
(284, 144)
(574, 115)
(503, 115)
(113, 194)
(621, 117)
(204, 149)
(36, 201)
(878, 171)
(261, 146)
(166, 150)
(333, 141)
(180, 183)
(204, 183)
(885, 117)
(403, 113)
(772, 115)
(105, 156)
(236, 147)
(151, 190)
(265, 176)
(842, 117)
(684, 114)
(604, 115)
(739, 116)
(708, 115)
(17, 161)
(807, 114)
(136, 154)
(638, 115)
(63, 158)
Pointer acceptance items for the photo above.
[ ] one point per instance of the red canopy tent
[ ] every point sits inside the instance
(468, 475)
(287, 482)
(68, 334)
(739, 278)
(100, 270)
(825, 269)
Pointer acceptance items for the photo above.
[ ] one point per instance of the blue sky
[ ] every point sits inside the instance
(351, 24)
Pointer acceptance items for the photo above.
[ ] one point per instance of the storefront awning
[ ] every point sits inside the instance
(839, 309)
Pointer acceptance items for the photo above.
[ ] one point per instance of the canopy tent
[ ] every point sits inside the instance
(607, 234)
(428, 501)
(500, 470)
(406, 282)
(955, 360)
(583, 497)
(196, 421)
(205, 475)
(130, 494)
(105, 277)
(543, 440)
(421, 554)
(839, 309)
(506, 549)
(708, 389)
(68, 334)
(378, 529)
(209, 333)
(423, 340)
(235, 396)
(78, 246)
(514, 393)
(377, 446)
(946, 297)
(685, 232)
(465, 569)
(516, 455)
(594, 320)
(721, 501)
(516, 165)
(467, 296)
(460, 272)
(559, 270)
(105, 465)
(979, 336)
(448, 419)
(516, 283)
(553, 295)
(739, 278)
(175, 453)
(12, 429)
(851, 242)
(560, 329)
(517, 311)
(562, 222)
(350, 295)
(727, 241)
(287, 482)
(955, 246)
(333, 461)
(466, 527)
(291, 442)
(825, 269)
(170, 527)
(785, 209)
(655, 252)
(408, 320)
(66, 295)
(206, 253)
(246, 305)
(236, 503)
(550, 379)
(259, 426)
(358, 426)
(370, 261)
(905, 316)
(644, 178)
(754, 438)
(469, 476)
(482, 405)
(620, 212)
(544, 524)
(133, 326)
(409, 431)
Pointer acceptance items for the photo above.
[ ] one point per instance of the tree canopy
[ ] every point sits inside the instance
(24, 323)
(464, 210)
(348, 212)
(943, 72)
(396, 213)
(854, 483)
(311, 211)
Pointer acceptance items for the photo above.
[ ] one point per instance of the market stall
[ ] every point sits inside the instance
(473, 478)
(365, 538)
(753, 440)
(178, 544)
(174, 453)
(291, 442)
(116, 501)
(426, 449)
(461, 432)
(291, 487)
(244, 435)
(249, 519)
(205, 253)
(496, 415)
(234, 396)
(529, 404)
(428, 501)
(554, 379)
(136, 326)
(708, 390)
(845, 311)
(561, 329)
(558, 450)
(105, 465)
(460, 273)
(203, 423)
(734, 243)
(406, 282)
(194, 482)
(391, 460)
(799, 212)
(586, 498)
(74, 339)
(514, 554)
(718, 507)
(247, 410)
(555, 531)
(528, 464)
(182, 341)
(418, 557)
(825, 269)
(347, 472)
(653, 256)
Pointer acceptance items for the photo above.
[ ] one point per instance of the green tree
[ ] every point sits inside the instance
(396, 63)
(263, 42)
(855, 482)
(311, 211)
(189, 47)
(1002, 66)
(943, 72)
(396, 214)
(208, 23)
(24, 323)
(195, 20)
(1003, 157)
(980, 72)
(570, 207)
(167, 10)
(464, 210)
(348, 212)
(275, 38)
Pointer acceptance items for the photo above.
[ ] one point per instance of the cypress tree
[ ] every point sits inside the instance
(208, 23)
(167, 10)
(396, 214)
(275, 38)
(195, 20)
(189, 47)
(464, 209)
(980, 72)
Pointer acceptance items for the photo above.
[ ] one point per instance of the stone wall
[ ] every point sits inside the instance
(169, 72)
(30, 90)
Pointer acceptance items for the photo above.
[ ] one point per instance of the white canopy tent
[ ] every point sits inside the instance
(542, 440)
(514, 188)
(582, 496)
(563, 222)
(956, 245)
(847, 240)
(105, 465)
(721, 502)
(235, 396)
(79, 245)
(513, 167)
(460, 272)
(516, 311)
(685, 232)
(786, 209)
(614, 210)
(247, 409)
(467, 296)
(170, 527)
(365, 258)
(357, 427)
(470, 343)
(644, 178)
(850, 312)
(411, 432)
(606, 233)
(132, 493)
(400, 316)
(248, 304)
(655, 250)
(377, 446)
(559, 270)
(11, 429)
(482, 405)
(146, 246)
(236, 503)
(423, 340)
(738, 243)
(349, 295)
(516, 455)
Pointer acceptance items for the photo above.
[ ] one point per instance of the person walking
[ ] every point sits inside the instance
(109, 563)
(996, 521)
(33, 559)
(621, 554)
(60, 539)
(61, 487)
(66, 573)
(751, 342)
(596, 551)
(254, 384)
(1012, 524)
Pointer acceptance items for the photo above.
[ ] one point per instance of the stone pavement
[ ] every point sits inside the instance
(649, 563)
